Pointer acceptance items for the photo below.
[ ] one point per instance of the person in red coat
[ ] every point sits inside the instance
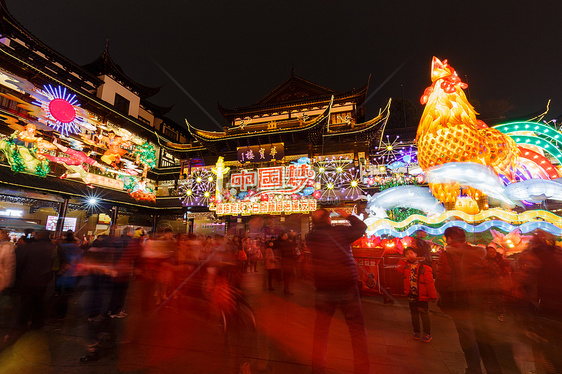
(420, 289)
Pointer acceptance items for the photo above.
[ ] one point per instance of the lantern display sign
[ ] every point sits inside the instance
(290, 188)
(86, 148)
(269, 190)
(267, 207)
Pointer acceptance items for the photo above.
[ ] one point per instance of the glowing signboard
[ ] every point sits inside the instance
(104, 181)
(69, 223)
(279, 179)
(11, 213)
(266, 207)
(261, 153)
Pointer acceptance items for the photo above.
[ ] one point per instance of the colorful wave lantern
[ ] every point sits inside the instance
(506, 221)
(379, 230)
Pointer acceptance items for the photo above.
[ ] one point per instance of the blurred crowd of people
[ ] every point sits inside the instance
(477, 286)
(480, 288)
(101, 270)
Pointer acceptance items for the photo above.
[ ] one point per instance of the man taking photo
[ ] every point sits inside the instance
(336, 281)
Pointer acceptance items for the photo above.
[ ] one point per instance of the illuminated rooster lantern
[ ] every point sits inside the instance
(449, 131)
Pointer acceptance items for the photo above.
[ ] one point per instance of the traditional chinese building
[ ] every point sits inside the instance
(80, 141)
(301, 146)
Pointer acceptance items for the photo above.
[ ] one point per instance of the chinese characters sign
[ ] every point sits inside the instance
(280, 179)
(243, 180)
(261, 153)
(271, 178)
(267, 207)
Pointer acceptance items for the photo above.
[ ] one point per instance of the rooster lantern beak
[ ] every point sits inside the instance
(440, 69)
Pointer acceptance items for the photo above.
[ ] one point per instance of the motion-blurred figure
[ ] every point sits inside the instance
(34, 261)
(537, 280)
(270, 265)
(7, 276)
(69, 255)
(336, 281)
(287, 253)
(126, 251)
(158, 257)
(461, 282)
(498, 271)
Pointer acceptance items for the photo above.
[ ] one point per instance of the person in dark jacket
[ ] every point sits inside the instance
(538, 284)
(336, 281)
(126, 251)
(70, 256)
(462, 279)
(34, 261)
(287, 253)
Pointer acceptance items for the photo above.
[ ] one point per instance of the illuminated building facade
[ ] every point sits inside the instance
(80, 141)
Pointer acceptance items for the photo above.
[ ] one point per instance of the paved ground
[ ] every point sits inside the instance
(186, 336)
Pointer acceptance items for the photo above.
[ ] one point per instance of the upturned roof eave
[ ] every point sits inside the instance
(214, 136)
(104, 65)
(364, 126)
(249, 111)
(161, 110)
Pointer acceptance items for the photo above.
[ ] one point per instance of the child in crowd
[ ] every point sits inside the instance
(419, 286)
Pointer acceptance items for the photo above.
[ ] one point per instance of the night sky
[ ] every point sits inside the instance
(235, 52)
